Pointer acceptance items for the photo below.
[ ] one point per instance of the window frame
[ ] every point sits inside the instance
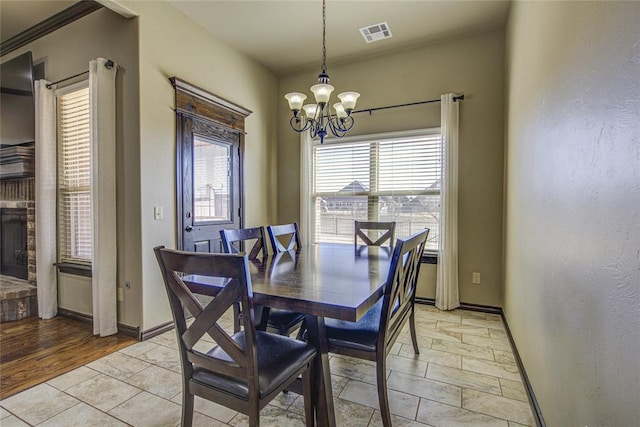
(430, 256)
(79, 267)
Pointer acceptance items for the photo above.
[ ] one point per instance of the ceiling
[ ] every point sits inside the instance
(19, 15)
(286, 36)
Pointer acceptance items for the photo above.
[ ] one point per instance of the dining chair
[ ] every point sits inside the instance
(231, 240)
(291, 235)
(243, 371)
(372, 337)
(363, 229)
(277, 320)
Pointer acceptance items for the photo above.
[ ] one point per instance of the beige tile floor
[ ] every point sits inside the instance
(465, 375)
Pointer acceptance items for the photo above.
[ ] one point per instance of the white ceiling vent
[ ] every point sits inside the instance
(376, 32)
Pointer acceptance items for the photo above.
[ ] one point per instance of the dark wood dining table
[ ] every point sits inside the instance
(324, 280)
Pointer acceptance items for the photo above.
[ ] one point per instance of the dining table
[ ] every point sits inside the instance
(325, 280)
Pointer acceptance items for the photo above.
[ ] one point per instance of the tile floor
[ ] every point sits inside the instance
(465, 375)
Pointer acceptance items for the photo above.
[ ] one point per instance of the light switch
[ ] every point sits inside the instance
(157, 213)
(475, 278)
(120, 294)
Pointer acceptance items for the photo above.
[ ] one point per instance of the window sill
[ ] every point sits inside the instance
(429, 258)
(76, 269)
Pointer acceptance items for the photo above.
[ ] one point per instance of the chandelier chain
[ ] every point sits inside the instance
(324, 37)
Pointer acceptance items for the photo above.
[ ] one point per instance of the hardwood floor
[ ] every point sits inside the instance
(33, 351)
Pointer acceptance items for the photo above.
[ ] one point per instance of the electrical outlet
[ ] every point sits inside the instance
(475, 278)
(120, 294)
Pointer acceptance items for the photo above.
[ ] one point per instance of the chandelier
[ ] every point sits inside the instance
(316, 118)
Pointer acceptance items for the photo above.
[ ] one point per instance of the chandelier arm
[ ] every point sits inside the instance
(340, 126)
(309, 124)
(320, 117)
(347, 123)
(300, 129)
(314, 127)
(335, 129)
(334, 123)
(330, 119)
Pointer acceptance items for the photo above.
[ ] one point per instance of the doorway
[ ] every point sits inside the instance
(210, 193)
(209, 167)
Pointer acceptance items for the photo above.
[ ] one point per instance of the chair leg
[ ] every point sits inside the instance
(253, 410)
(254, 417)
(300, 337)
(302, 330)
(187, 409)
(381, 373)
(412, 328)
(309, 410)
(236, 317)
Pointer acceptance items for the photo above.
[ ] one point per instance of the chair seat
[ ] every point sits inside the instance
(360, 335)
(283, 320)
(279, 357)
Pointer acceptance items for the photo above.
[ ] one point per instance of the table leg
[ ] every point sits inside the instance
(323, 400)
(261, 316)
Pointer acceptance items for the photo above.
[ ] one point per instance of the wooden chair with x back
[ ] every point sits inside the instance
(231, 240)
(231, 243)
(277, 320)
(291, 234)
(372, 337)
(243, 371)
(363, 229)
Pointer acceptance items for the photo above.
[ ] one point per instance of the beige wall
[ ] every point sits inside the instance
(572, 276)
(473, 66)
(172, 45)
(65, 52)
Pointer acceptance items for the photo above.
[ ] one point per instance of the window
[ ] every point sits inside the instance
(212, 180)
(390, 177)
(74, 176)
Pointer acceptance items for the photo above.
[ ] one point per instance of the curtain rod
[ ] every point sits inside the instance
(371, 110)
(108, 65)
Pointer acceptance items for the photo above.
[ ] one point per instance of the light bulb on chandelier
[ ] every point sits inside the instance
(316, 118)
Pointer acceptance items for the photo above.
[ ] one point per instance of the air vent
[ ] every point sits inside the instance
(376, 32)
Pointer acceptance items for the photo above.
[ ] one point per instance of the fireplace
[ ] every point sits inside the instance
(18, 229)
(18, 292)
(14, 256)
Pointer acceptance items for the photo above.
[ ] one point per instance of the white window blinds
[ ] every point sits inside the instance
(377, 179)
(74, 177)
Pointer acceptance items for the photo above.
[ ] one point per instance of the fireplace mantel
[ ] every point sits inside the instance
(17, 161)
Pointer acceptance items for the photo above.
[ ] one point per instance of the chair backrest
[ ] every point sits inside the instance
(289, 230)
(400, 289)
(362, 228)
(233, 271)
(232, 238)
